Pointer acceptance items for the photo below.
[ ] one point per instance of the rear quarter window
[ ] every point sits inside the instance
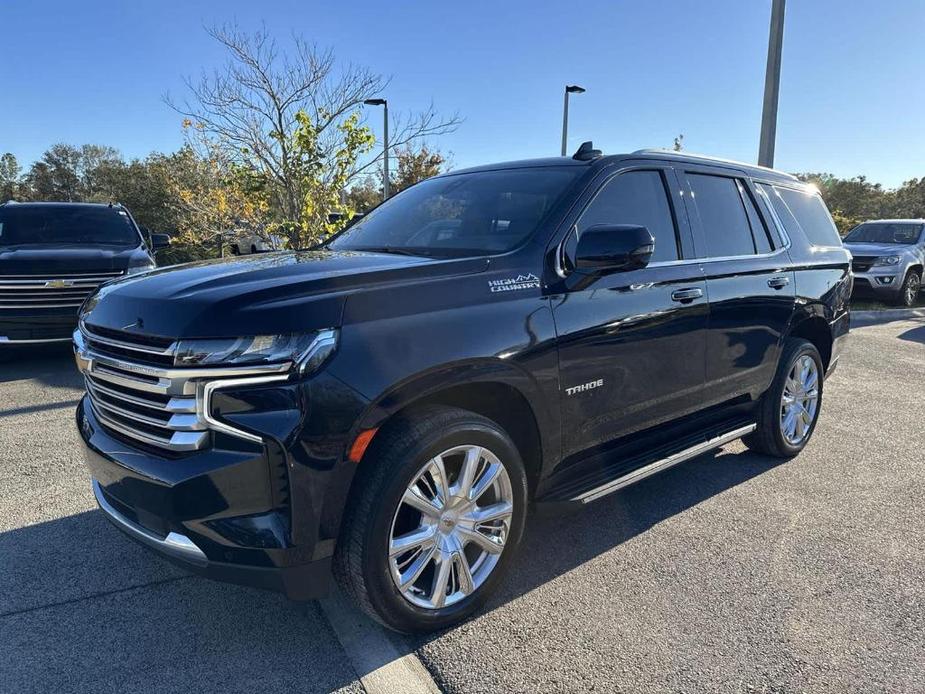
(807, 211)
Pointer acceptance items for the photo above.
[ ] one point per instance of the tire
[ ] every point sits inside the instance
(769, 438)
(253, 248)
(377, 513)
(235, 250)
(909, 292)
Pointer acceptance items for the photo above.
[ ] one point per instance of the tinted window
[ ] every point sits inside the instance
(78, 225)
(722, 216)
(464, 214)
(811, 213)
(885, 232)
(636, 197)
(759, 230)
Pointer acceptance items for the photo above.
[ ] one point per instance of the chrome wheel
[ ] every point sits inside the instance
(800, 400)
(450, 527)
(912, 289)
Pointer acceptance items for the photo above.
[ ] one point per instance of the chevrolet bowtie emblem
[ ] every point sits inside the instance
(58, 284)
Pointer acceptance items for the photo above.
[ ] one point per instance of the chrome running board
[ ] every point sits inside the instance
(663, 464)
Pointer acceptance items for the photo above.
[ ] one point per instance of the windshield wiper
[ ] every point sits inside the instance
(390, 249)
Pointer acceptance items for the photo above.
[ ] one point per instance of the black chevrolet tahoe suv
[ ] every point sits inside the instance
(385, 408)
(52, 256)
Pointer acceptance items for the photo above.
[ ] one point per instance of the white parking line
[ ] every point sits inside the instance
(381, 667)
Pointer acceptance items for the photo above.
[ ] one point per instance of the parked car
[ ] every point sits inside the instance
(253, 243)
(389, 406)
(53, 255)
(888, 258)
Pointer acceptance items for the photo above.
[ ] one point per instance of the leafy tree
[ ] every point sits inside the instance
(364, 196)
(10, 171)
(68, 173)
(678, 143)
(415, 165)
(851, 200)
(291, 119)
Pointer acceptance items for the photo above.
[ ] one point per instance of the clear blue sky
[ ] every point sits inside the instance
(852, 99)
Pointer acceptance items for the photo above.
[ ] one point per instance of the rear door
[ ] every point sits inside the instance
(631, 344)
(750, 282)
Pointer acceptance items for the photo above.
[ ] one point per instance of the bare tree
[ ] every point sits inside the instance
(249, 107)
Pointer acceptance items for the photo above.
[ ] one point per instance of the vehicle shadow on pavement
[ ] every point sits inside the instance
(50, 365)
(915, 334)
(554, 544)
(82, 608)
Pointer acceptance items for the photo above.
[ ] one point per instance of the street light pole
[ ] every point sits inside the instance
(569, 89)
(771, 86)
(385, 142)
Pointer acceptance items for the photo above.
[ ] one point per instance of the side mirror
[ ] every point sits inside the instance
(159, 241)
(605, 248)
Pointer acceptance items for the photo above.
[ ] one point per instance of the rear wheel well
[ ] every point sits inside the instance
(817, 331)
(502, 404)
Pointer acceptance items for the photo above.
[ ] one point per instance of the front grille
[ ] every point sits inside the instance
(861, 263)
(137, 394)
(49, 291)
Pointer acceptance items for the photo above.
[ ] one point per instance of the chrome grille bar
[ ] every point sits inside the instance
(157, 404)
(67, 290)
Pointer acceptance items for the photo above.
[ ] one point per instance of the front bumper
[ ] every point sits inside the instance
(38, 326)
(258, 514)
(882, 282)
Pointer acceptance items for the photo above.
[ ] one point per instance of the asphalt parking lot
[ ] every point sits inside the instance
(729, 573)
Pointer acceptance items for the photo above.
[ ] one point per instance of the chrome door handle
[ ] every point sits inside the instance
(778, 282)
(686, 294)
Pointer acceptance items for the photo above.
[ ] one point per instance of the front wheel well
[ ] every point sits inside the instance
(501, 403)
(817, 331)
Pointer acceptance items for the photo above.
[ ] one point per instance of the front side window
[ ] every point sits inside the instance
(723, 218)
(461, 215)
(78, 226)
(640, 198)
(899, 233)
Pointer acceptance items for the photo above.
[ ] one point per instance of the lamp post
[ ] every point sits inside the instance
(385, 143)
(569, 89)
(771, 86)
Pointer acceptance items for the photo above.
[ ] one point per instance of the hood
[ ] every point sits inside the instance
(872, 249)
(50, 259)
(266, 294)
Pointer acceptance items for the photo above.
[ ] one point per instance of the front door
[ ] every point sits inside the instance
(631, 344)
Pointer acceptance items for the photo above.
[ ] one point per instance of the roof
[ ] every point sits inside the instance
(753, 170)
(61, 204)
(896, 221)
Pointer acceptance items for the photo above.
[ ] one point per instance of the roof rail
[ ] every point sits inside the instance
(664, 151)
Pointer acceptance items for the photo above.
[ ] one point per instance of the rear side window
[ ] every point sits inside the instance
(636, 197)
(723, 218)
(759, 230)
(807, 211)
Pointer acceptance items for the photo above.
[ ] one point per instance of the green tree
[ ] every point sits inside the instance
(10, 171)
(290, 118)
(415, 165)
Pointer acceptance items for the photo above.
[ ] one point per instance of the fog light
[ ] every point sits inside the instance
(885, 280)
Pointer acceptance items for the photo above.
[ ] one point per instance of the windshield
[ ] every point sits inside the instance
(461, 215)
(885, 232)
(78, 225)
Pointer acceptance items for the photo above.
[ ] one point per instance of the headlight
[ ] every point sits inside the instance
(140, 268)
(307, 350)
(887, 260)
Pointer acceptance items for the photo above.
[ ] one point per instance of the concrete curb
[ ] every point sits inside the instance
(862, 318)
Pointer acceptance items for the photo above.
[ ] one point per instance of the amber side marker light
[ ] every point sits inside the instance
(360, 444)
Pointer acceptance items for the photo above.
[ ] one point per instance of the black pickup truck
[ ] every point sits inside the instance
(53, 255)
(387, 407)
